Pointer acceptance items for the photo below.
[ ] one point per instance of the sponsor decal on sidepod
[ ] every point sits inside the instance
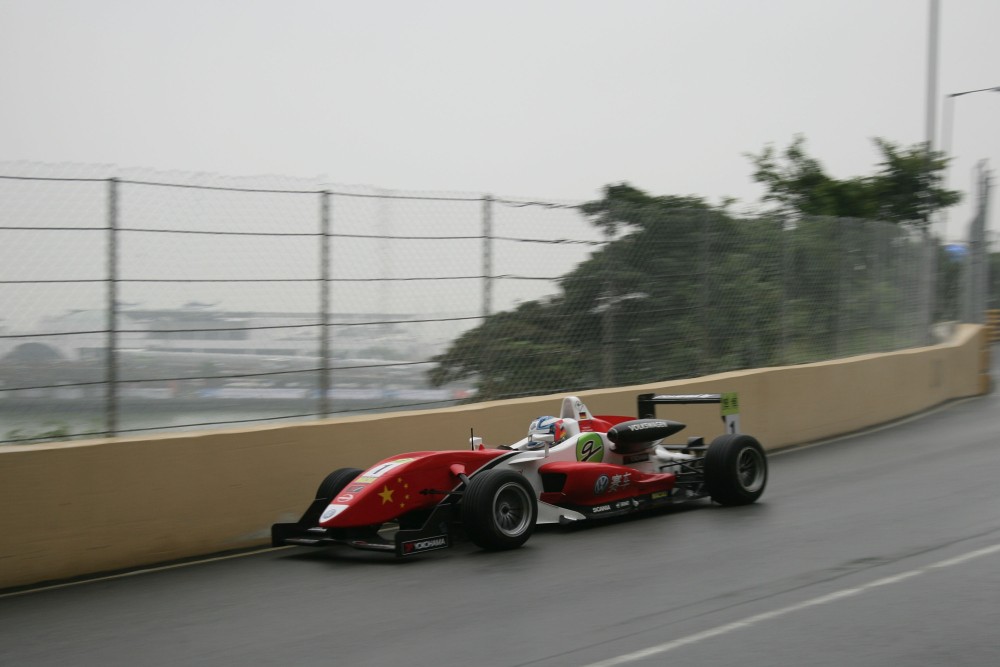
(601, 485)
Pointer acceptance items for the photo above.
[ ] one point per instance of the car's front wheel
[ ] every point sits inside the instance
(499, 510)
(335, 482)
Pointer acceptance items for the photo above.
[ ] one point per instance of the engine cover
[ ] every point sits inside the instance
(638, 435)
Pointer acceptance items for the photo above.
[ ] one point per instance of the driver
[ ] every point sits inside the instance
(551, 430)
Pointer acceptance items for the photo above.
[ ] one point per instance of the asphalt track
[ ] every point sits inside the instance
(877, 549)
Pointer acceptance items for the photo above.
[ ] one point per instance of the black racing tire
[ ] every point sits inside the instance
(499, 510)
(735, 469)
(335, 482)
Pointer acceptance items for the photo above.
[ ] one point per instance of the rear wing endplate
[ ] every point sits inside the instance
(729, 402)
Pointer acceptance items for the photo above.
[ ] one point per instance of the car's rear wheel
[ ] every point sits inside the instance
(499, 510)
(735, 469)
(335, 482)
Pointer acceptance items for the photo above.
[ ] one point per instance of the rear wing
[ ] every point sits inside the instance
(729, 402)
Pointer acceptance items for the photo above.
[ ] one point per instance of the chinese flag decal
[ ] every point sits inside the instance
(386, 494)
(402, 502)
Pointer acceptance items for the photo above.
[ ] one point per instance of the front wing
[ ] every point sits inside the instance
(435, 533)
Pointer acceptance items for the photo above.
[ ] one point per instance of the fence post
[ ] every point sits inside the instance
(875, 260)
(785, 274)
(487, 256)
(605, 304)
(838, 316)
(707, 335)
(487, 385)
(930, 288)
(111, 418)
(978, 259)
(324, 304)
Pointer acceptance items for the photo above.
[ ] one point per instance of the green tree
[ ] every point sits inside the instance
(906, 188)
(636, 311)
(683, 288)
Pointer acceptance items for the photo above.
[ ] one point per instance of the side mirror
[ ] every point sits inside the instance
(547, 438)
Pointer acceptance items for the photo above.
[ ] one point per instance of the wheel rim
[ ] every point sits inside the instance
(511, 509)
(750, 469)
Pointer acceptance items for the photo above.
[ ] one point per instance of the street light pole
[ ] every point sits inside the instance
(607, 303)
(932, 74)
(949, 113)
(947, 128)
(975, 268)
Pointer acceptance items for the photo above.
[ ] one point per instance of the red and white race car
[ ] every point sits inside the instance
(570, 468)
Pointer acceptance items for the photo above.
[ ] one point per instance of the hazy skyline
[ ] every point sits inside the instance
(545, 99)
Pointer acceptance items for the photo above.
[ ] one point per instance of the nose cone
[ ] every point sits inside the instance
(377, 495)
(399, 485)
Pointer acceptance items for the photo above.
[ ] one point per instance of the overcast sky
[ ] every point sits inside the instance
(547, 99)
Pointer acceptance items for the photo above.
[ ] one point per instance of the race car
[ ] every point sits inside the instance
(571, 468)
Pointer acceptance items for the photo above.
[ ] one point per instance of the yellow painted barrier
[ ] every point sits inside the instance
(993, 324)
(77, 508)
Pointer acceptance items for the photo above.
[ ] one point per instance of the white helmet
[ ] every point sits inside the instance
(551, 430)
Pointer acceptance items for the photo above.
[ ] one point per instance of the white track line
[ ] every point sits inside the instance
(784, 611)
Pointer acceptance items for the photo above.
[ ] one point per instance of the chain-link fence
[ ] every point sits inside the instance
(145, 302)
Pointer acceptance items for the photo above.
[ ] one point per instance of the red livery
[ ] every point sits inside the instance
(574, 467)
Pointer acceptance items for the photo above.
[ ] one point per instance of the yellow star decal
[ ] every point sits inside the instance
(386, 494)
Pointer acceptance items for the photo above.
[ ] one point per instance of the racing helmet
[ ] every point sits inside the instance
(551, 430)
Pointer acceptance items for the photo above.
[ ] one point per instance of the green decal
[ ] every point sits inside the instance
(590, 448)
(730, 404)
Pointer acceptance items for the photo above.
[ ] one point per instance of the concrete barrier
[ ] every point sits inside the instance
(77, 508)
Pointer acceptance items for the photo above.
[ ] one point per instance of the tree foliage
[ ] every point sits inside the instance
(906, 188)
(682, 288)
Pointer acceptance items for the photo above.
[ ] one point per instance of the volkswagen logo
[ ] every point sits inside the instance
(601, 485)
